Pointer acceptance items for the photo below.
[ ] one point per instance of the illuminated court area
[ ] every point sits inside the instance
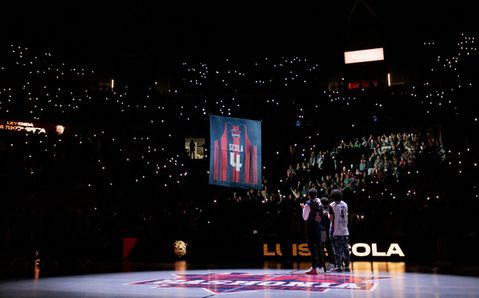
(367, 279)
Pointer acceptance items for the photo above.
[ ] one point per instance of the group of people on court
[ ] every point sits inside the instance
(327, 227)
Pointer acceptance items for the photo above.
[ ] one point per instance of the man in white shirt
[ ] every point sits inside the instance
(312, 216)
(339, 230)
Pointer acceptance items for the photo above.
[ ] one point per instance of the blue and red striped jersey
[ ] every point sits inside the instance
(235, 158)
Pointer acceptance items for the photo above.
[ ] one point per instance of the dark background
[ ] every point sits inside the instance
(73, 224)
(145, 39)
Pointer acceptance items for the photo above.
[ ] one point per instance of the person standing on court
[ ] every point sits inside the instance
(339, 230)
(325, 236)
(312, 216)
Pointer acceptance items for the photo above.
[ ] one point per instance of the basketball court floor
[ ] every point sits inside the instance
(367, 279)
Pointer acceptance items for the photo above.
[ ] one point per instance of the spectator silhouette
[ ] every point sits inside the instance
(192, 149)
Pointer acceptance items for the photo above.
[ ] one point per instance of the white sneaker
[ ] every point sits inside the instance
(320, 270)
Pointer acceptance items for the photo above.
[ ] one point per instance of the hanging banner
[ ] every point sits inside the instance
(235, 152)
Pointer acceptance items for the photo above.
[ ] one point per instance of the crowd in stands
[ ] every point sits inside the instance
(402, 155)
(348, 165)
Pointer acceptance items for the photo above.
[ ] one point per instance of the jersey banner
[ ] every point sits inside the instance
(235, 152)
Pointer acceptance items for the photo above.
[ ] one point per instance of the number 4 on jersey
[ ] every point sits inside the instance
(235, 161)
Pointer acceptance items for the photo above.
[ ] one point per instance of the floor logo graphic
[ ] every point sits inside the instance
(238, 282)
